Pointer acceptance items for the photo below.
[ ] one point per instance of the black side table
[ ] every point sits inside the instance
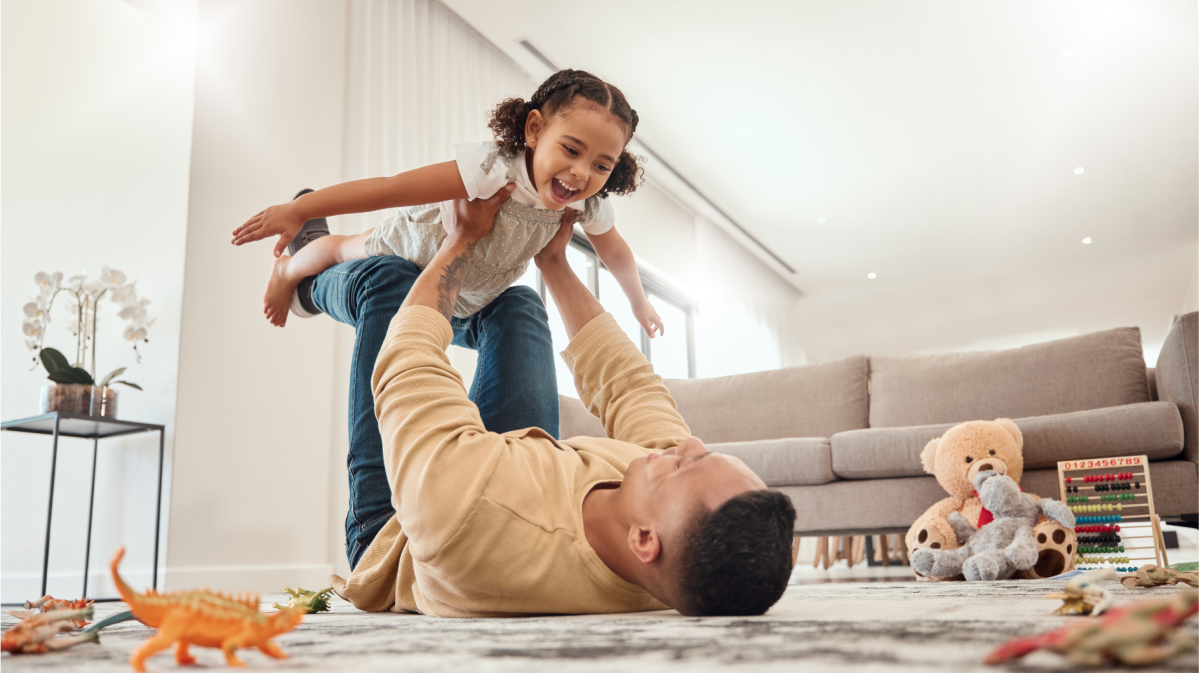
(94, 428)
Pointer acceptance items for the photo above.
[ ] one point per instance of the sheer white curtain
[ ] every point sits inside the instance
(418, 80)
(747, 315)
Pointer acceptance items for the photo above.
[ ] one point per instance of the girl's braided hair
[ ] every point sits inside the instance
(557, 94)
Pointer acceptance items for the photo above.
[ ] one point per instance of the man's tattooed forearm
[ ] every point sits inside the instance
(450, 282)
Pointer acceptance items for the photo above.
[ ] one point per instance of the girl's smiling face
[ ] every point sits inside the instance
(572, 153)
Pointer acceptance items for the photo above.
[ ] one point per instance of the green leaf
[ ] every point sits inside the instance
(73, 375)
(131, 385)
(54, 361)
(115, 373)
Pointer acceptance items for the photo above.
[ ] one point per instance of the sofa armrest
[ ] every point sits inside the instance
(1177, 375)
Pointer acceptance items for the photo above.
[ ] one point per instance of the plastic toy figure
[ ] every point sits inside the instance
(1084, 596)
(1134, 635)
(309, 601)
(36, 633)
(1150, 575)
(48, 603)
(204, 618)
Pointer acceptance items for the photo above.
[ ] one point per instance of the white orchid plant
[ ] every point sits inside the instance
(82, 297)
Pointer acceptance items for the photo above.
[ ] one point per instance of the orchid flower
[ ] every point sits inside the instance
(111, 278)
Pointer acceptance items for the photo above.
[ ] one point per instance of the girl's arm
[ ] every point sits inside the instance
(618, 257)
(430, 184)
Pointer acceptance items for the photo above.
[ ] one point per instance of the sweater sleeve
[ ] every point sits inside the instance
(618, 386)
(437, 453)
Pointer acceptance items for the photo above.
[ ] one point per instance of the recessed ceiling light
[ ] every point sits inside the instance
(871, 275)
(1079, 171)
(821, 220)
(1066, 53)
(1086, 241)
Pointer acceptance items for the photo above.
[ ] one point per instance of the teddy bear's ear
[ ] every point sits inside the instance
(928, 457)
(1007, 424)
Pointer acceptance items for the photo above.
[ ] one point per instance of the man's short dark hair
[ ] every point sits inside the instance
(736, 560)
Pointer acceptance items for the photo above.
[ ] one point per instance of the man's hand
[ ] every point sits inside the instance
(555, 250)
(282, 220)
(471, 221)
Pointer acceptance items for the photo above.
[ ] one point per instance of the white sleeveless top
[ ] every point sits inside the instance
(521, 230)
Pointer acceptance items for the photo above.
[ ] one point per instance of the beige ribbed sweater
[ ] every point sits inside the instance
(489, 524)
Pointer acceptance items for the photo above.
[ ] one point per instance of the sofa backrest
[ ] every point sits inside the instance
(1092, 371)
(817, 400)
(1177, 375)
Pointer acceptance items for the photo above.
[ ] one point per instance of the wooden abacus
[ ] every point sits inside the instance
(1116, 515)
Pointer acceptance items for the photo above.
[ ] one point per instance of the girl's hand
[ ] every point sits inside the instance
(648, 318)
(282, 221)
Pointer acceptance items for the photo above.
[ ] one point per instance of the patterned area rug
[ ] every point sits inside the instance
(903, 626)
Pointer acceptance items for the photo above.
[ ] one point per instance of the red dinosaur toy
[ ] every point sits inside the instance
(1137, 634)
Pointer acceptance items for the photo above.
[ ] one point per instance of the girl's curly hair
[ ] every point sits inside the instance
(557, 94)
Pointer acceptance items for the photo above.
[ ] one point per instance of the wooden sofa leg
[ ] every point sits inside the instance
(821, 552)
(883, 552)
(794, 550)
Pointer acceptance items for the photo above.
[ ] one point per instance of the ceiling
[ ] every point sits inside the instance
(938, 140)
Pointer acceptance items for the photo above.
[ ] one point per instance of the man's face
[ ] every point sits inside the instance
(668, 488)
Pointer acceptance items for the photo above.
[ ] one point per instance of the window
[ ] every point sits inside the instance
(672, 354)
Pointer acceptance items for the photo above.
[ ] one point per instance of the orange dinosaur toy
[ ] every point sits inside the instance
(203, 618)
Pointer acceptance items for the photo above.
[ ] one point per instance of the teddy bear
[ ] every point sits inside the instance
(1000, 548)
(955, 459)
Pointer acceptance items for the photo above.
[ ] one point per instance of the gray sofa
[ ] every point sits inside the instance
(843, 438)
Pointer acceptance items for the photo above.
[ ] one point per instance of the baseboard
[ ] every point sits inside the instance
(19, 587)
(261, 578)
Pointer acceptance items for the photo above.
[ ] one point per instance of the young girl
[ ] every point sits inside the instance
(564, 148)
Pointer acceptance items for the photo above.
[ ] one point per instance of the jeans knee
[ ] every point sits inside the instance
(522, 302)
(386, 278)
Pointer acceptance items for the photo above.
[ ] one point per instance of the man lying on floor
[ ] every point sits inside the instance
(519, 523)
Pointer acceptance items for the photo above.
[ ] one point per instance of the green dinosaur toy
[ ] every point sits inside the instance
(311, 601)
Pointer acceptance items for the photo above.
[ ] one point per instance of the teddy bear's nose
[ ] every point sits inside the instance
(983, 467)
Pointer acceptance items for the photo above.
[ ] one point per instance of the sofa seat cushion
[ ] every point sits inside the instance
(1150, 428)
(816, 400)
(859, 507)
(1093, 371)
(784, 462)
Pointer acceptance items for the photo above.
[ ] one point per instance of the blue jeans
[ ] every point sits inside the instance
(514, 384)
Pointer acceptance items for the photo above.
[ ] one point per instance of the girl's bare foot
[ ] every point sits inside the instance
(279, 288)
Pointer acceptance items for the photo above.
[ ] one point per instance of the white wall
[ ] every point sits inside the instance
(250, 501)
(97, 112)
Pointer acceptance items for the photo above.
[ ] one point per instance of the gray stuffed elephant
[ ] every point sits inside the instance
(999, 549)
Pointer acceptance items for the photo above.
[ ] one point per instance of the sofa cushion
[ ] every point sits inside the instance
(784, 462)
(1178, 376)
(1150, 428)
(858, 507)
(1093, 371)
(815, 400)
(575, 421)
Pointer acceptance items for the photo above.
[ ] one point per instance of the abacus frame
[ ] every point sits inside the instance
(1080, 469)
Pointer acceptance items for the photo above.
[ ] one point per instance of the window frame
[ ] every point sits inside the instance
(661, 290)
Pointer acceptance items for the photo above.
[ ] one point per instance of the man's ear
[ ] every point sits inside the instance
(928, 457)
(644, 543)
(533, 127)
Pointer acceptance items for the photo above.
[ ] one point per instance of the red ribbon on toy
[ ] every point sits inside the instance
(985, 516)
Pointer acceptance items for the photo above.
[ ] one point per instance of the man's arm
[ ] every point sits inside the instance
(614, 380)
(436, 450)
